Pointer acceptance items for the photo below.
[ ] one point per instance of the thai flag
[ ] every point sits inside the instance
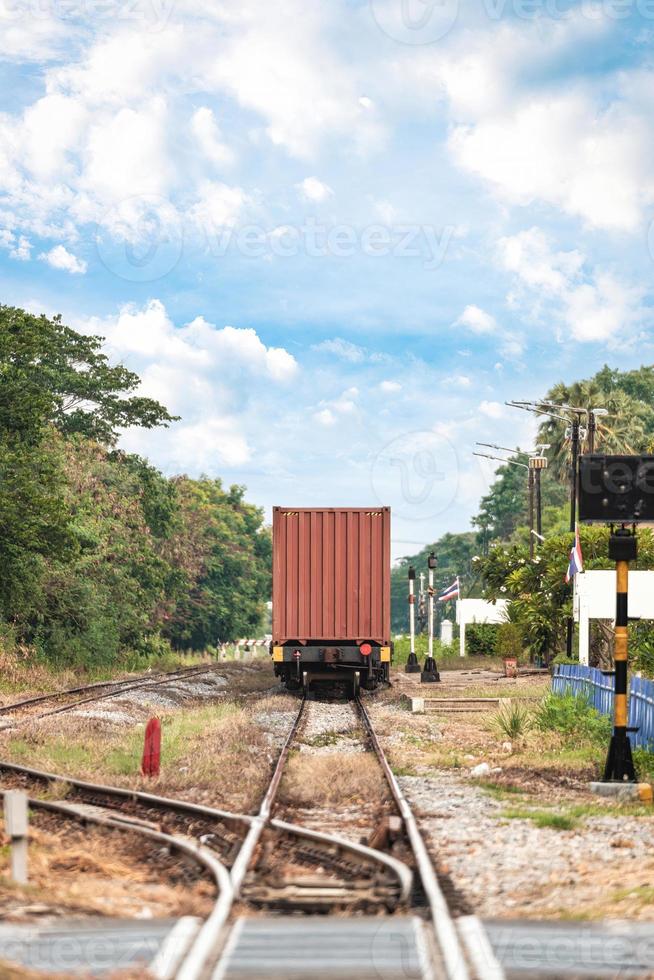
(576, 558)
(451, 593)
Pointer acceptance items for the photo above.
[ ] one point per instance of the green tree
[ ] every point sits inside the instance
(627, 428)
(52, 374)
(227, 599)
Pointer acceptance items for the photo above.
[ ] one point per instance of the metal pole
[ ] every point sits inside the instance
(430, 613)
(430, 673)
(412, 665)
(573, 519)
(591, 431)
(539, 507)
(619, 762)
(531, 513)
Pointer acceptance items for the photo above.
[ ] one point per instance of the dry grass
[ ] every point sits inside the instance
(92, 871)
(332, 778)
(213, 754)
(277, 703)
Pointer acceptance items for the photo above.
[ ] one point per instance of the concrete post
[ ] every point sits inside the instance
(16, 828)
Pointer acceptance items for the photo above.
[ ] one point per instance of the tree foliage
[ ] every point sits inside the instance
(99, 552)
(49, 373)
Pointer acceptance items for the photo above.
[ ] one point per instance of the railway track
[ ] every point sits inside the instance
(27, 709)
(369, 894)
(272, 874)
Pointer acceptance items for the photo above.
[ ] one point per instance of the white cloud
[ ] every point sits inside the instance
(207, 133)
(213, 377)
(343, 349)
(312, 189)
(584, 148)
(592, 305)
(325, 417)
(60, 258)
(390, 387)
(19, 248)
(477, 320)
(493, 410)
(458, 381)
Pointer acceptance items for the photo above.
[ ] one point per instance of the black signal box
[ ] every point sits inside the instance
(616, 489)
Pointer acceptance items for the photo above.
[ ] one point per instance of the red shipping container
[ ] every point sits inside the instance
(331, 574)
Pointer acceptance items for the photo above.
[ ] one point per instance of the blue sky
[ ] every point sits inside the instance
(335, 237)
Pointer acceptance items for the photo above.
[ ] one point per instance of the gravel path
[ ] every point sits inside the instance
(322, 718)
(499, 866)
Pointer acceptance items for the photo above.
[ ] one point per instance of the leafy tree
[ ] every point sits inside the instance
(52, 374)
(627, 428)
(227, 599)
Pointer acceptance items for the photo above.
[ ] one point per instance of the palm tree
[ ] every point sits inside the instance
(623, 430)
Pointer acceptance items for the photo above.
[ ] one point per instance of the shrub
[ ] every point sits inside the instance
(481, 639)
(574, 716)
(509, 641)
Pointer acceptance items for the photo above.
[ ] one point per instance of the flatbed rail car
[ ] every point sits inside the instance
(331, 595)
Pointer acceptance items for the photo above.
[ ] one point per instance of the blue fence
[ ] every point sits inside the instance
(598, 691)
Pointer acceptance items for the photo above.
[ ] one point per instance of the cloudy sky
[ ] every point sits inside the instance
(335, 237)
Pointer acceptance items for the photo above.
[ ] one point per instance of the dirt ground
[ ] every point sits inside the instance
(525, 837)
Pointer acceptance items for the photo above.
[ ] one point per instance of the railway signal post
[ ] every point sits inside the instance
(623, 548)
(412, 665)
(430, 673)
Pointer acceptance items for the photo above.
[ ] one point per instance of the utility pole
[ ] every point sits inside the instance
(531, 512)
(574, 447)
(536, 465)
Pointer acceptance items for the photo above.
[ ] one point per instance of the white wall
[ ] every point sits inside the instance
(478, 611)
(594, 598)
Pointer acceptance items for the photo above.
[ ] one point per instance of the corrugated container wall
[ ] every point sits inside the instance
(331, 574)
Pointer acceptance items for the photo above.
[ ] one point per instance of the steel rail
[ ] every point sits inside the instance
(205, 946)
(130, 795)
(401, 870)
(125, 686)
(25, 702)
(449, 943)
(198, 852)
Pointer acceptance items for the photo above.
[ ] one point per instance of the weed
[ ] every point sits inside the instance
(542, 818)
(499, 791)
(513, 721)
(643, 894)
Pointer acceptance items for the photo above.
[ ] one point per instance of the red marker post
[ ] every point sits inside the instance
(151, 761)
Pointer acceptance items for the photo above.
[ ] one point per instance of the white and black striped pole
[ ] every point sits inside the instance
(430, 673)
(412, 665)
